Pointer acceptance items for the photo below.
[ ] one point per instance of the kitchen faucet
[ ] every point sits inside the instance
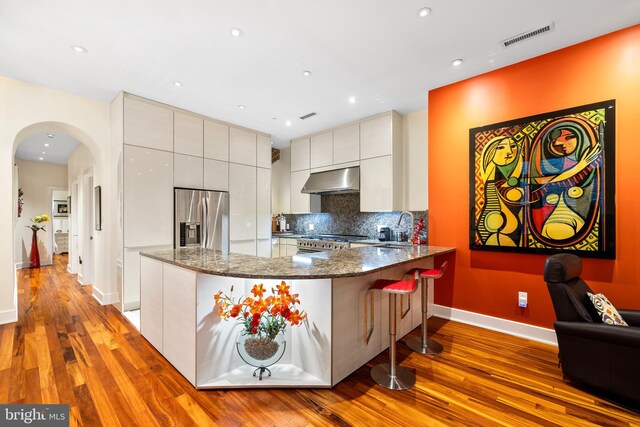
(410, 233)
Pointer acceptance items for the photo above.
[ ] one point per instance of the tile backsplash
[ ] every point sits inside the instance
(341, 215)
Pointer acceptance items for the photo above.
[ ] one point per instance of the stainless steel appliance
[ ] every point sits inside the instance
(326, 242)
(346, 180)
(201, 218)
(385, 234)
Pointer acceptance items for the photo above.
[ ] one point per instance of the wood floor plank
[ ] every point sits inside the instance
(67, 348)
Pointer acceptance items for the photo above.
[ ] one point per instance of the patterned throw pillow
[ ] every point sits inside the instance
(606, 310)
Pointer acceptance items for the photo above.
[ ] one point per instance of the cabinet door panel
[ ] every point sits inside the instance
(151, 301)
(242, 146)
(263, 202)
(300, 155)
(187, 171)
(376, 184)
(321, 150)
(187, 134)
(246, 247)
(242, 202)
(263, 156)
(148, 197)
(216, 175)
(376, 137)
(216, 141)
(300, 202)
(346, 144)
(147, 125)
(263, 248)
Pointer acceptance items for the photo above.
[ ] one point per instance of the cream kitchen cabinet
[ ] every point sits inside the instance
(216, 141)
(377, 135)
(242, 208)
(148, 196)
(188, 134)
(275, 247)
(300, 154)
(151, 311)
(147, 124)
(379, 183)
(301, 202)
(242, 146)
(321, 150)
(187, 171)
(263, 248)
(216, 175)
(346, 144)
(263, 203)
(263, 152)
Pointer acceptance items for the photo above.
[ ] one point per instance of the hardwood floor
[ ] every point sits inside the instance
(67, 348)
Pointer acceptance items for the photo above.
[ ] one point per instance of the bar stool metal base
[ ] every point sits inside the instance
(404, 379)
(431, 347)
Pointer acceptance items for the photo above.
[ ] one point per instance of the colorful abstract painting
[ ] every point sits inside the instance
(545, 184)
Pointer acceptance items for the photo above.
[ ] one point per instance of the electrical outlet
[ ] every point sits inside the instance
(522, 299)
(312, 227)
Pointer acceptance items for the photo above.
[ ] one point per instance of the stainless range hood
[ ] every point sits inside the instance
(345, 180)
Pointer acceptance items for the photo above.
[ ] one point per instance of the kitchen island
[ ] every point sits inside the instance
(178, 316)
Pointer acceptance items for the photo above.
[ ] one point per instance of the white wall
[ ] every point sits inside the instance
(281, 183)
(415, 164)
(37, 180)
(26, 109)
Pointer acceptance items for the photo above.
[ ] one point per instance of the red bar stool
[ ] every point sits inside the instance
(422, 344)
(390, 375)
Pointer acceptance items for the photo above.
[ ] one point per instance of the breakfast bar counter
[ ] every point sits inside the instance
(179, 318)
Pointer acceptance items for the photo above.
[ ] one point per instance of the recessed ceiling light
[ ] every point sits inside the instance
(50, 135)
(176, 83)
(236, 32)
(288, 123)
(306, 73)
(40, 158)
(352, 100)
(46, 144)
(274, 118)
(425, 11)
(241, 107)
(44, 152)
(456, 62)
(79, 49)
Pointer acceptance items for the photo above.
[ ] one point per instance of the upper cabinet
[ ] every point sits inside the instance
(148, 124)
(321, 150)
(346, 144)
(242, 146)
(376, 137)
(188, 134)
(300, 155)
(263, 152)
(216, 141)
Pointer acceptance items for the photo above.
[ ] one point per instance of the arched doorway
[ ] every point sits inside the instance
(79, 185)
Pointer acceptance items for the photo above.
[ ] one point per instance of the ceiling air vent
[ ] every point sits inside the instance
(527, 35)
(306, 116)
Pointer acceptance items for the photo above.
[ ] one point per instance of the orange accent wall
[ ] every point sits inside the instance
(604, 68)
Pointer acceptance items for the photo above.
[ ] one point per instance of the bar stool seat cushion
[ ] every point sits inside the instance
(394, 286)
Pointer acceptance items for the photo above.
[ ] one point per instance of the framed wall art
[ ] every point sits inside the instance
(546, 183)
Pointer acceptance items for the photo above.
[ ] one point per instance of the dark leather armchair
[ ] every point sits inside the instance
(601, 356)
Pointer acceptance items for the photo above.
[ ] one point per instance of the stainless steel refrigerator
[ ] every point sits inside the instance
(201, 218)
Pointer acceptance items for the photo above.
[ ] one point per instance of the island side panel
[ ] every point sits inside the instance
(311, 341)
(179, 337)
(151, 301)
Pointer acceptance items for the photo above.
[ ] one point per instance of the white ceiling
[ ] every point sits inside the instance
(33, 148)
(379, 51)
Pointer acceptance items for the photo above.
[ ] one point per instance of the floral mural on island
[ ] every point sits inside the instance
(545, 184)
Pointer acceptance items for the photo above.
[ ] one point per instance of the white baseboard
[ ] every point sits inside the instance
(22, 264)
(131, 305)
(80, 278)
(522, 330)
(8, 316)
(105, 299)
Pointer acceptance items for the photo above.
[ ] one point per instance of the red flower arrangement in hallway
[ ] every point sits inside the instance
(260, 315)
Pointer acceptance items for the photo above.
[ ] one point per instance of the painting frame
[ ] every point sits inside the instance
(529, 138)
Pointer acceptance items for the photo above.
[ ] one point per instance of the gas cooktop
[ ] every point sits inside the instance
(326, 242)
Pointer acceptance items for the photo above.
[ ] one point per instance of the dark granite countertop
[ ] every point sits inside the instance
(316, 265)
